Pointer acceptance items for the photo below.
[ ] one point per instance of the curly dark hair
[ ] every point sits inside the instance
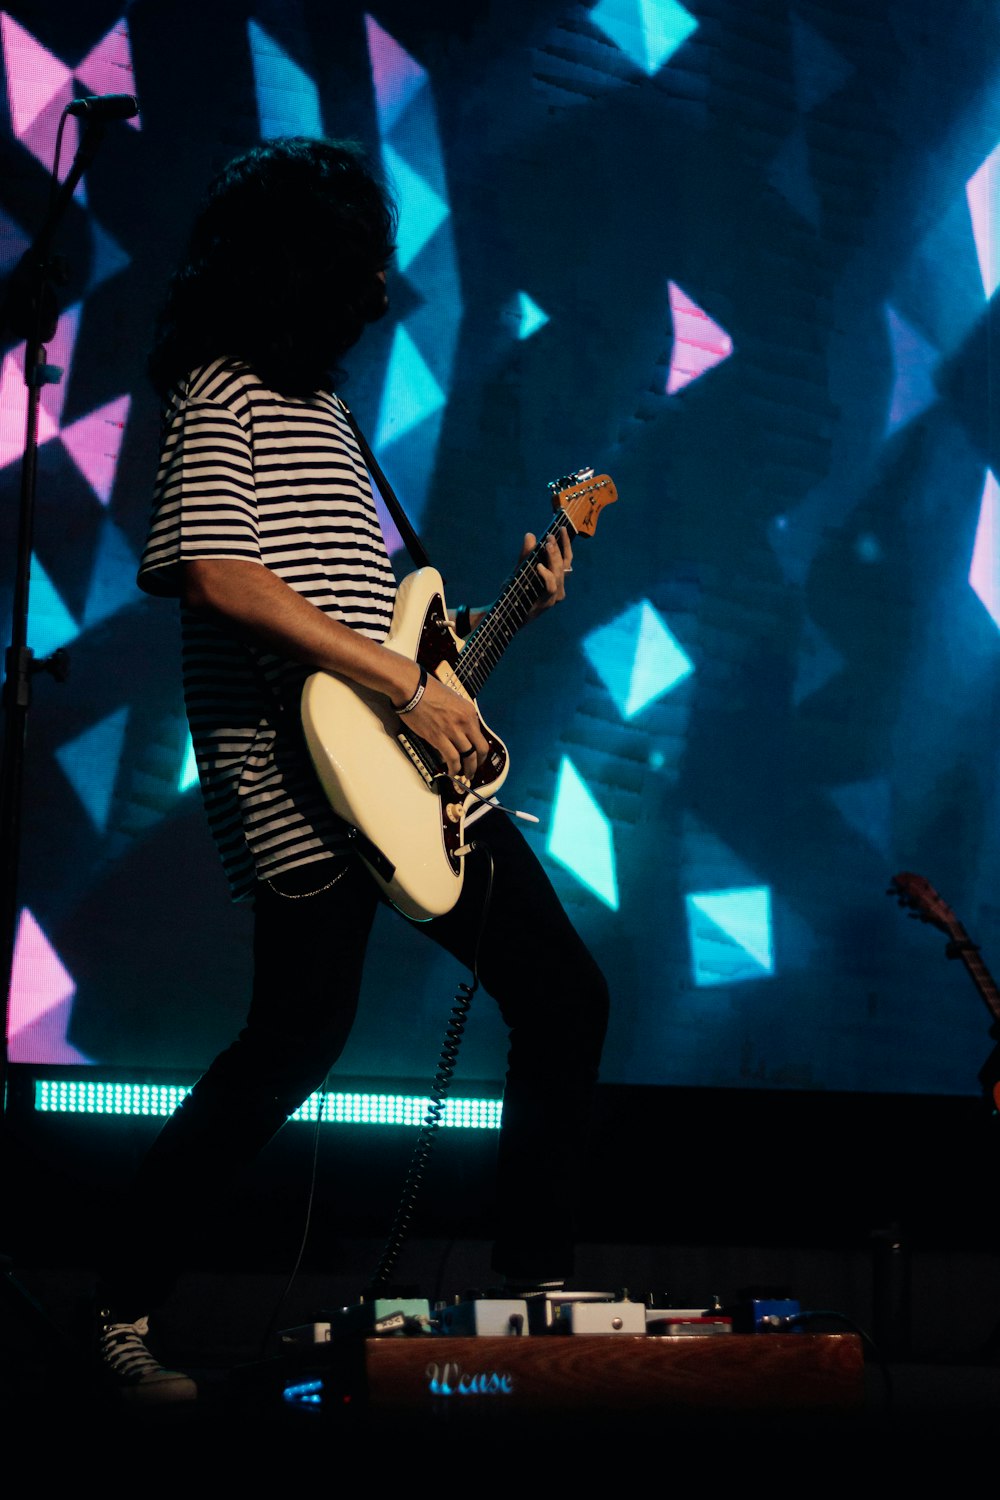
(282, 267)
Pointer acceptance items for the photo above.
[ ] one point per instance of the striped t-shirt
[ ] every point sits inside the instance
(246, 473)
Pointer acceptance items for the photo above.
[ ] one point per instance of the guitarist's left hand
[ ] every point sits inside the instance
(559, 562)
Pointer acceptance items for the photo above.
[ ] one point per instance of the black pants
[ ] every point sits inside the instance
(308, 958)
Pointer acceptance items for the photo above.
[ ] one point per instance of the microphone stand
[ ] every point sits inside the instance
(30, 312)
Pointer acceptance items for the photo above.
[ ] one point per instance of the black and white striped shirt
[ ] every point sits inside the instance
(246, 473)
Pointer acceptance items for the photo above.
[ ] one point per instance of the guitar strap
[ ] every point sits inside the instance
(412, 542)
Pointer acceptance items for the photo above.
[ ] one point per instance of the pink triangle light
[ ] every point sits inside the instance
(40, 139)
(59, 351)
(41, 1000)
(34, 76)
(13, 395)
(396, 75)
(14, 410)
(699, 342)
(107, 68)
(94, 443)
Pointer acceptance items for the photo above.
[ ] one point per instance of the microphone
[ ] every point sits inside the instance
(99, 107)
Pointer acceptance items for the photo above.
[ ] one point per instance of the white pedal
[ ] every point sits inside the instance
(490, 1317)
(598, 1317)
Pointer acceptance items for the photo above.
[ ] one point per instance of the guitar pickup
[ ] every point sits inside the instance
(420, 755)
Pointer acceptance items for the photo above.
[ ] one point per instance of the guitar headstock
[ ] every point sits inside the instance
(583, 496)
(919, 895)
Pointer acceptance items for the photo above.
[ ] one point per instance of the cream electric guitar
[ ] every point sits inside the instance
(407, 816)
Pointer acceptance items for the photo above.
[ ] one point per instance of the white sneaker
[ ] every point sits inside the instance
(136, 1373)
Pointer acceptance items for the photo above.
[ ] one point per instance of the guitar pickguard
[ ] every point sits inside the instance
(388, 783)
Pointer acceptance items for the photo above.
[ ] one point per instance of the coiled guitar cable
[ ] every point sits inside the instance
(435, 1110)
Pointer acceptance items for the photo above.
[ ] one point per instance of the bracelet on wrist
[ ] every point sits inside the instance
(408, 708)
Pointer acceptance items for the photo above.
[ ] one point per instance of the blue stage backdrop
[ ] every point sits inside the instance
(740, 256)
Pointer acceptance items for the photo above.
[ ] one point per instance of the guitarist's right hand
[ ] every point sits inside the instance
(260, 605)
(449, 723)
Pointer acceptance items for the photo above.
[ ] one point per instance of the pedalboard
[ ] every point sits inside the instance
(498, 1315)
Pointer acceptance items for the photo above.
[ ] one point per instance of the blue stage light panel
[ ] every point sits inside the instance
(287, 98)
(637, 658)
(189, 770)
(580, 836)
(410, 393)
(91, 764)
(730, 935)
(647, 31)
(530, 316)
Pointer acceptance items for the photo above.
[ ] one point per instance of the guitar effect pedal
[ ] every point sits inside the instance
(490, 1317)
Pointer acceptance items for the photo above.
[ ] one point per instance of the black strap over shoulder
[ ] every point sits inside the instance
(412, 542)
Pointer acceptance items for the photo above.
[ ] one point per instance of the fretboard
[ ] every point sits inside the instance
(982, 979)
(498, 627)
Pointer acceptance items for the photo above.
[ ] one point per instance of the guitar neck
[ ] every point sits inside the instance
(981, 976)
(498, 627)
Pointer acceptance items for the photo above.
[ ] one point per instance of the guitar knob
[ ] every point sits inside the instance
(453, 811)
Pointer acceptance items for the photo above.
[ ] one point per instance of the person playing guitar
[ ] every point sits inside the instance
(264, 527)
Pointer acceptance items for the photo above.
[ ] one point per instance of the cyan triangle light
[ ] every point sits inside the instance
(50, 624)
(410, 393)
(699, 342)
(91, 764)
(637, 658)
(529, 316)
(982, 192)
(112, 580)
(421, 210)
(730, 935)
(397, 77)
(287, 98)
(914, 360)
(189, 770)
(580, 836)
(647, 31)
(984, 574)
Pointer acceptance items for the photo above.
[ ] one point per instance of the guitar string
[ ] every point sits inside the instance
(511, 609)
(503, 611)
(477, 651)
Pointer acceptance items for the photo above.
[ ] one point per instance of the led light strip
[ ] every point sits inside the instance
(79, 1097)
